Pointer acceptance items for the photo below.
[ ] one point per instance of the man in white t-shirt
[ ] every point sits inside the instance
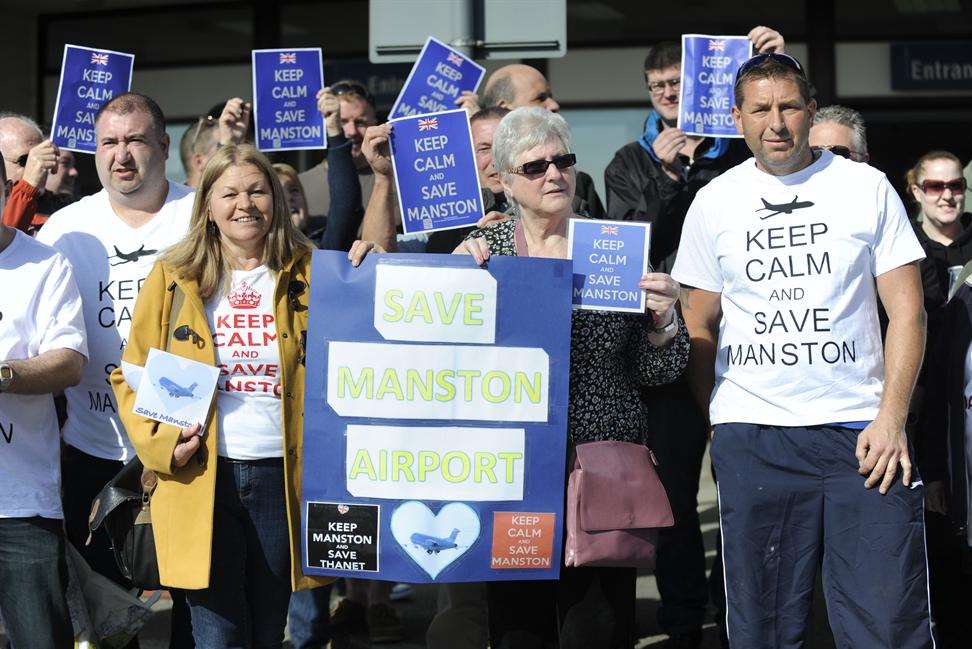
(112, 239)
(783, 258)
(42, 351)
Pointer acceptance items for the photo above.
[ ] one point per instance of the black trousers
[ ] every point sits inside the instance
(677, 434)
(585, 608)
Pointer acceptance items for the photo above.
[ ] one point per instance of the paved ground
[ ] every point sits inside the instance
(417, 612)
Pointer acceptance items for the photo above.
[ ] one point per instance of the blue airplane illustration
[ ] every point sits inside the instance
(434, 544)
(176, 390)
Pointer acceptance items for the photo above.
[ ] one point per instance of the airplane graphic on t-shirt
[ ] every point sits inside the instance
(127, 257)
(783, 208)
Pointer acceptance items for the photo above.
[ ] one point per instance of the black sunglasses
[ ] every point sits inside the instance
(562, 161)
(759, 59)
(352, 88)
(842, 151)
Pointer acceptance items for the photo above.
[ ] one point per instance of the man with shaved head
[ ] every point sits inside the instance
(27, 159)
(518, 85)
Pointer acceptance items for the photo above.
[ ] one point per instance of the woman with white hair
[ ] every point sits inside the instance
(612, 356)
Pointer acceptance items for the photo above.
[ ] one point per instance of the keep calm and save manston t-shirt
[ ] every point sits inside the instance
(244, 330)
(40, 310)
(795, 258)
(110, 260)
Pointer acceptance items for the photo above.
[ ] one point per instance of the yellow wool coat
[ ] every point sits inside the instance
(182, 504)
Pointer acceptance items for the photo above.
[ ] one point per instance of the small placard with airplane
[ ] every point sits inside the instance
(175, 390)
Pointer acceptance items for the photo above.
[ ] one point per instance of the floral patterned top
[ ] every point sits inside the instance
(610, 359)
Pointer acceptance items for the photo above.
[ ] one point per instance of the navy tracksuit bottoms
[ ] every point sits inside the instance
(790, 501)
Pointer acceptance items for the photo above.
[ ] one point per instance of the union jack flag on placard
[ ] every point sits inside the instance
(717, 46)
(609, 229)
(288, 57)
(99, 59)
(429, 123)
(454, 59)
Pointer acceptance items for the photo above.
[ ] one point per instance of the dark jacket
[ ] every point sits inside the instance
(939, 258)
(941, 438)
(638, 189)
(345, 210)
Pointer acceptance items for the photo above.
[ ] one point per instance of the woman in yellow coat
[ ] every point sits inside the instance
(226, 511)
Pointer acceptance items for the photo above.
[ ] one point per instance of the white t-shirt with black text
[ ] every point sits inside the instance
(40, 311)
(795, 259)
(244, 330)
(110, 260)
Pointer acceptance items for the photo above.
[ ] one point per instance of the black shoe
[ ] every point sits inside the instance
(687, 640)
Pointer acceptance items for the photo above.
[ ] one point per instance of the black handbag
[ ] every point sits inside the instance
(123, 508)
(124, 505)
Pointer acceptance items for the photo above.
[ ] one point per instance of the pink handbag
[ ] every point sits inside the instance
(615, 505)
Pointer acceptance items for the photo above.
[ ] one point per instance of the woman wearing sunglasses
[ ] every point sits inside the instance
(612, 356)
(943, 226)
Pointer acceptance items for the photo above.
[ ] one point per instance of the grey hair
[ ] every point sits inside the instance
(845, 117)
(23, 118)
(523, 129)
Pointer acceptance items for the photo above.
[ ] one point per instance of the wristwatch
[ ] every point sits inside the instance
(6, 376)
(670, 327)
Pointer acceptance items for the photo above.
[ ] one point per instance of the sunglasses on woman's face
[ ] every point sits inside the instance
(562, 161)
(938, 187)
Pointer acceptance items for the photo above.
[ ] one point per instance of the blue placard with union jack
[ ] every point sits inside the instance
(285, 87)
(89, 78)
(709, 65)
(435, 171)
(438, 78)
(609, 258)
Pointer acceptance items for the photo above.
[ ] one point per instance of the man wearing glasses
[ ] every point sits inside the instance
(655, 179)
(782, 261)
(357, 114)
(27, 158)
(841, 131)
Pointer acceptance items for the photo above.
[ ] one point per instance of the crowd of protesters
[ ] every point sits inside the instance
(858, 471)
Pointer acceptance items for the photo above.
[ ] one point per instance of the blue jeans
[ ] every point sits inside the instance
(310, 618)
(249, 581)
(33, 580)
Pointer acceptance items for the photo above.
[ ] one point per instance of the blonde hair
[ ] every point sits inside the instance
(200, 257)
(282, 169)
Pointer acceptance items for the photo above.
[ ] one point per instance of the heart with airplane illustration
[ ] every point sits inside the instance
(176, 387)
(435, 540)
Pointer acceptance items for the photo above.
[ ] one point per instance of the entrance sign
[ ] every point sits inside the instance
(435, 172)
(285, 86)
(609, 259)
(709, 65)
(436, 461)
(437, 79)
(89, 78)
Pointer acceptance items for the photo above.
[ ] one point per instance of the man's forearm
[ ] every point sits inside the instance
(701, 311)
(49, 372)
(904, 348)
(379, 218)
(701, 366)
